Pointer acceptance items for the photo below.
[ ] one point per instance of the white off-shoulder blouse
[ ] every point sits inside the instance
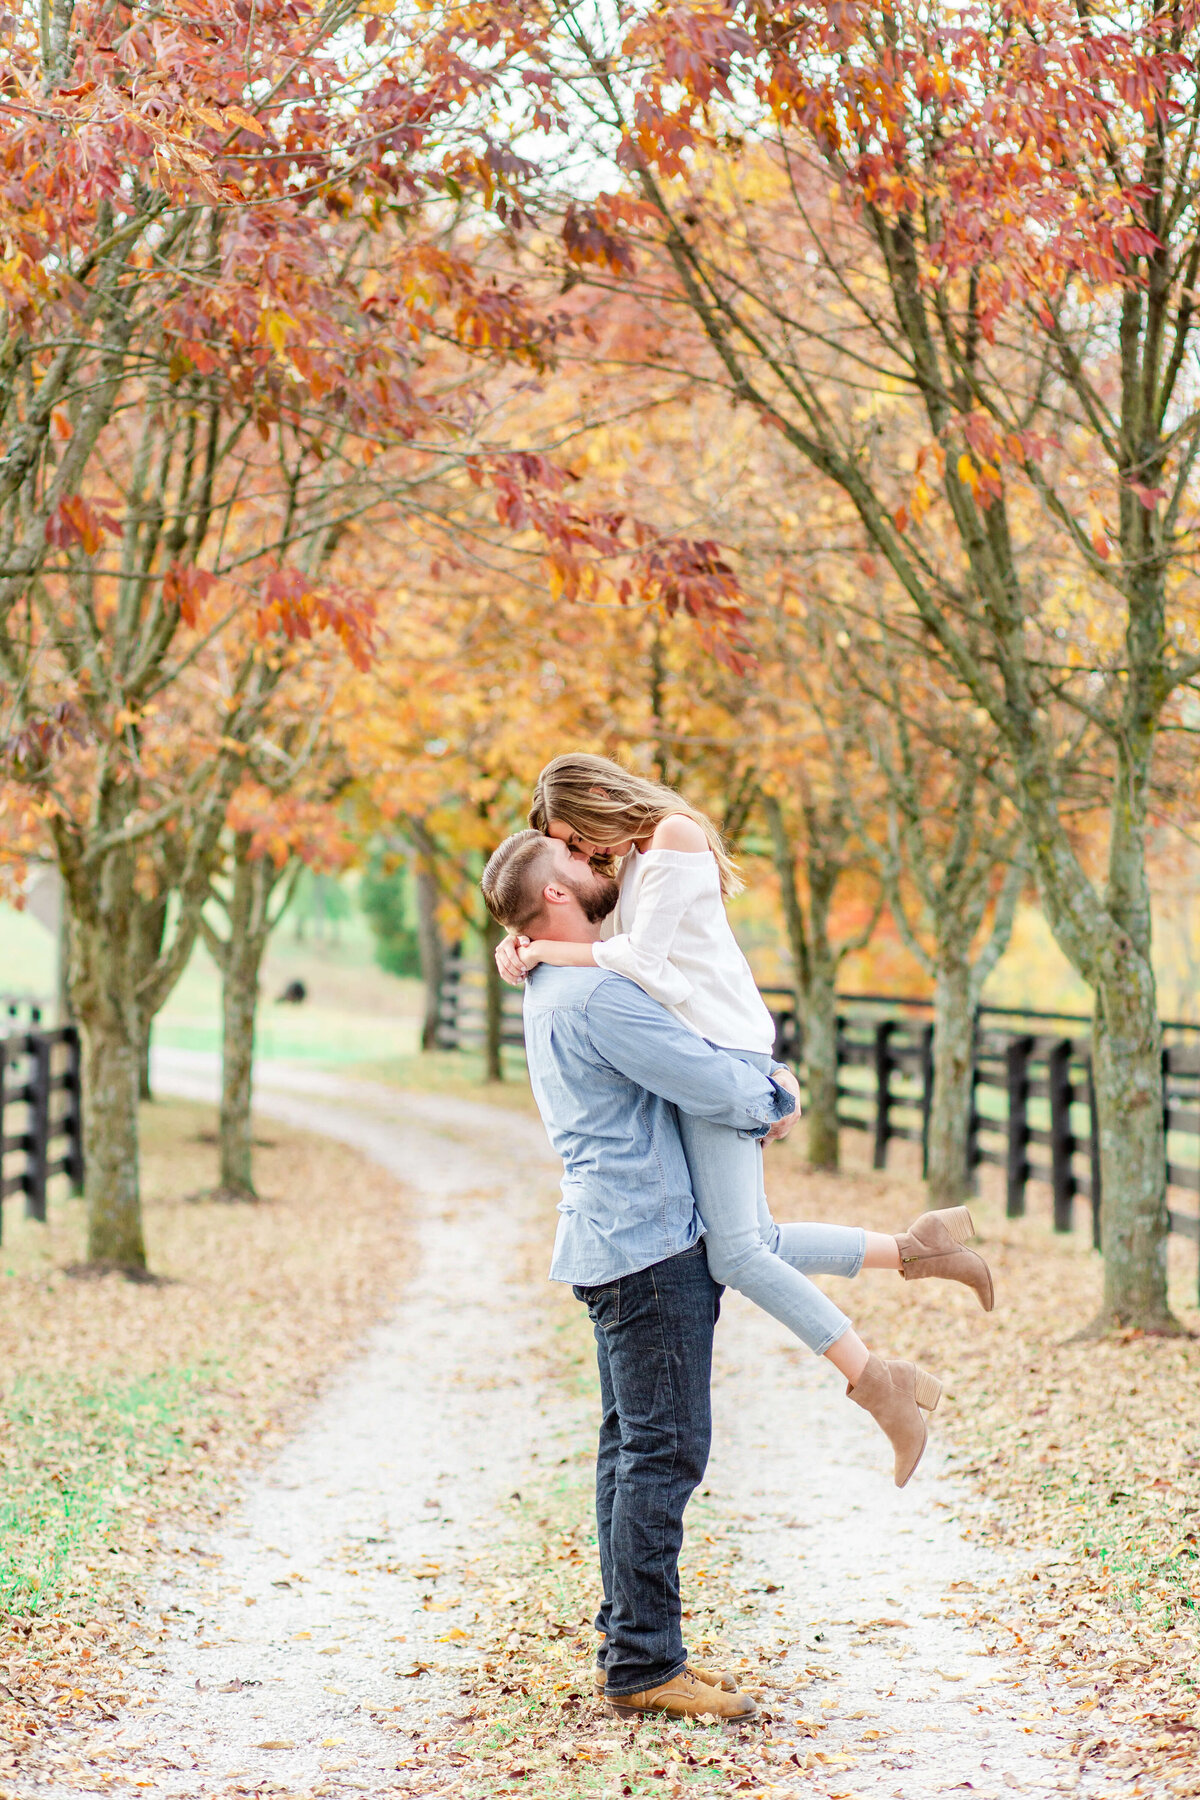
(671, 934)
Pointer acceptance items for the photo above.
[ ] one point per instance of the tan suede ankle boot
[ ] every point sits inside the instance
(934, 1246)
(894, 1393)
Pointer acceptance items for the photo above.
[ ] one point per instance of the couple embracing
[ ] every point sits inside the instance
(651, 1059)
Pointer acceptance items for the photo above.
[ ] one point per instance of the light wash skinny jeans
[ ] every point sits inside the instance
(747, 1250)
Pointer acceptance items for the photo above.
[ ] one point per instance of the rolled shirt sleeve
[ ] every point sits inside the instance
(644, 1043)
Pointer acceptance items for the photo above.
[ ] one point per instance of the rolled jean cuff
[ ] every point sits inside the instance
(658, 1681)
(831, 1339)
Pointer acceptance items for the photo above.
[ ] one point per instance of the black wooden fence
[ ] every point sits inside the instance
(41, 1125)
(1033, 1102)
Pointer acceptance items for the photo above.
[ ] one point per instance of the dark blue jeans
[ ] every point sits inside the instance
(654, 1333)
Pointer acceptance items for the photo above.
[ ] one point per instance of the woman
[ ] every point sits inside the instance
(672, 937)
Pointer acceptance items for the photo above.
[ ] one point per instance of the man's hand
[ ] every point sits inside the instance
(509, 963)
(785, 1079)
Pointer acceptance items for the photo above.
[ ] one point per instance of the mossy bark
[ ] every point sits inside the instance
(111, 1042)
(821, 1069)
(815, 962)
(1127, 1070)
(431, 948)
(253, 882)
(493, 1011)
(240, 970)
(953, 1058)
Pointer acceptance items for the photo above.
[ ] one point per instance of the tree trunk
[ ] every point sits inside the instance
(820, 1065)
(1127, 1069)
(144, 1090)
(111, 1042)
(240, 959)
(432, 950)
(493, 1004)
(814, 971)
(148, 927)
(239, 1012)
(953, 1058)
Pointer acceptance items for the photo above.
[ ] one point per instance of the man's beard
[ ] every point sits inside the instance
(596, 894)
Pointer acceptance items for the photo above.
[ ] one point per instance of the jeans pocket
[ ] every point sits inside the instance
(603, 1304)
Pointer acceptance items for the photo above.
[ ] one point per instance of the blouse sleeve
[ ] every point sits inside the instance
(672, 881)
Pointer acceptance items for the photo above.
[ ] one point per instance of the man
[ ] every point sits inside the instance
(608, 1067)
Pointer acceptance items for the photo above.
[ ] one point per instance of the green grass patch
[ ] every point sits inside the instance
(75, 1453)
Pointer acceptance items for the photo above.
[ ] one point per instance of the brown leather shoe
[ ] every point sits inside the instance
(716, 1678)
(894, 1393)
(934, 1246)
(684, 1697)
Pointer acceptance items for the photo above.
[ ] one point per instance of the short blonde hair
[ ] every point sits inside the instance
(604, 803)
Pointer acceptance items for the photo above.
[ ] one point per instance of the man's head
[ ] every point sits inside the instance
(538, 887)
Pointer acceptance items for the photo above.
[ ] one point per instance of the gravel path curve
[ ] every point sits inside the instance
(289, 1628)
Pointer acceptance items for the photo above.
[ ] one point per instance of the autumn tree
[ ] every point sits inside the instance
(949, 853)
(988, 223)
(282, 819)
(227, 265)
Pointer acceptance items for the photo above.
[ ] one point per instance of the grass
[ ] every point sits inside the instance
(76, 1455)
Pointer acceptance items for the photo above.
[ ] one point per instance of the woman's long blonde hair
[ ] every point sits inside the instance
(604, 804)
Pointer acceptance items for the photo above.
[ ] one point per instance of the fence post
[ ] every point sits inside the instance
(883, 1090)
(971, 1172)
(1062, 1141)
(74, 1119)
(3, 1121)
(448, 999)
(926, 1095)
(839, 1029)
(1016, 1059)
(38, 1128)
(1094, 1152)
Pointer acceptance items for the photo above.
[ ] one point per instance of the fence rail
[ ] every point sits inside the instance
(462, 1009)
(40, 1114)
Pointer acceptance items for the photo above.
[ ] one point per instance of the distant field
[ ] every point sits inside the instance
(354, 1011)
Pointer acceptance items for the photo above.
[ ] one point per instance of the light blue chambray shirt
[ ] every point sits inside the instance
(608, 1066)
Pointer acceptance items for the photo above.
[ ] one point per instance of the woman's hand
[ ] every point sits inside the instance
(785, 1079)
(508, 960)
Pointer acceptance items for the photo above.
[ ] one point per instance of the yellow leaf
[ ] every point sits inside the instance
(237, 115)
(922, 500)
(275, 326)
(451, 1636)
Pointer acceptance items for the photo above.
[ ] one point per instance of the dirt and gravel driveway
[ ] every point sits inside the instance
(314, 1643)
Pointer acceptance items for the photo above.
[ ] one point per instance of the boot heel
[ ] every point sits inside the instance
(958, 1222)
(927, 1389)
